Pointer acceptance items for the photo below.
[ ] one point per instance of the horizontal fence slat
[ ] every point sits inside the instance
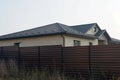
(72, 59)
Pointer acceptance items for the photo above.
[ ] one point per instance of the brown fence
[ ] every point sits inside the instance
(84, 59)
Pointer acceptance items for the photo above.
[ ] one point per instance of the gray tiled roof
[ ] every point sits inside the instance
(83, 28)
(51, 29)
(48, 29)
(114, 41)
(100, 33)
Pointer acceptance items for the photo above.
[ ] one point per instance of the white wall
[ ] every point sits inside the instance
(91, 31)
(36, 41)
(48, 40)
(102, 37)
(69, 41)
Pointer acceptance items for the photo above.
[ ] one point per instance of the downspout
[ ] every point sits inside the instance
(63, 38)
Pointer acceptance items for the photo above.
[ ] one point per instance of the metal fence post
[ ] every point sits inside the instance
(89, 61)
(39, 65)
(62, 60)
(1, 53)
(19, 58)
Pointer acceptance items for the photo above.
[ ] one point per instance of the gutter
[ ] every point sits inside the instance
(29, 36)
(63, 37)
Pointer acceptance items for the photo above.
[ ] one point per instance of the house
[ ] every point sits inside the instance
(58, 34)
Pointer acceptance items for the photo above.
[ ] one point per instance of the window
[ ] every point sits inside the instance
(90, 43)
(95, 29)
(76, 43)
(17, 44)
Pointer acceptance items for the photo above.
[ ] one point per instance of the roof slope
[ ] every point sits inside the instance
(83, 28)
(100, 33)
(114, 41)
(50, 29)
(55, 28)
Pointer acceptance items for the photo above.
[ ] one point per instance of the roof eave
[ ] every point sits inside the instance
(32, 36)
(82, 36)
(95, 24)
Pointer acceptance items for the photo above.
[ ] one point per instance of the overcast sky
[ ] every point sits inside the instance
(17, 15)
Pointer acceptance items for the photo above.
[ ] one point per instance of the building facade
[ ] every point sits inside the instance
(58, 34)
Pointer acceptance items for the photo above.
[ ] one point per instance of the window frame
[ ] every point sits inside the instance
(94, 29)
(76, 43)
(17, 44)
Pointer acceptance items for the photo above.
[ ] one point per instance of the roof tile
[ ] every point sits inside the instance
(55, 28)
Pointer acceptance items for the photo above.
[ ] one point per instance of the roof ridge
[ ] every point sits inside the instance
(94, 24)
(84, 24)
(50, 29)
(28, 29)
(61, 27)
(69, 28)
(66, 28)
(83, 28)
(103, 31)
